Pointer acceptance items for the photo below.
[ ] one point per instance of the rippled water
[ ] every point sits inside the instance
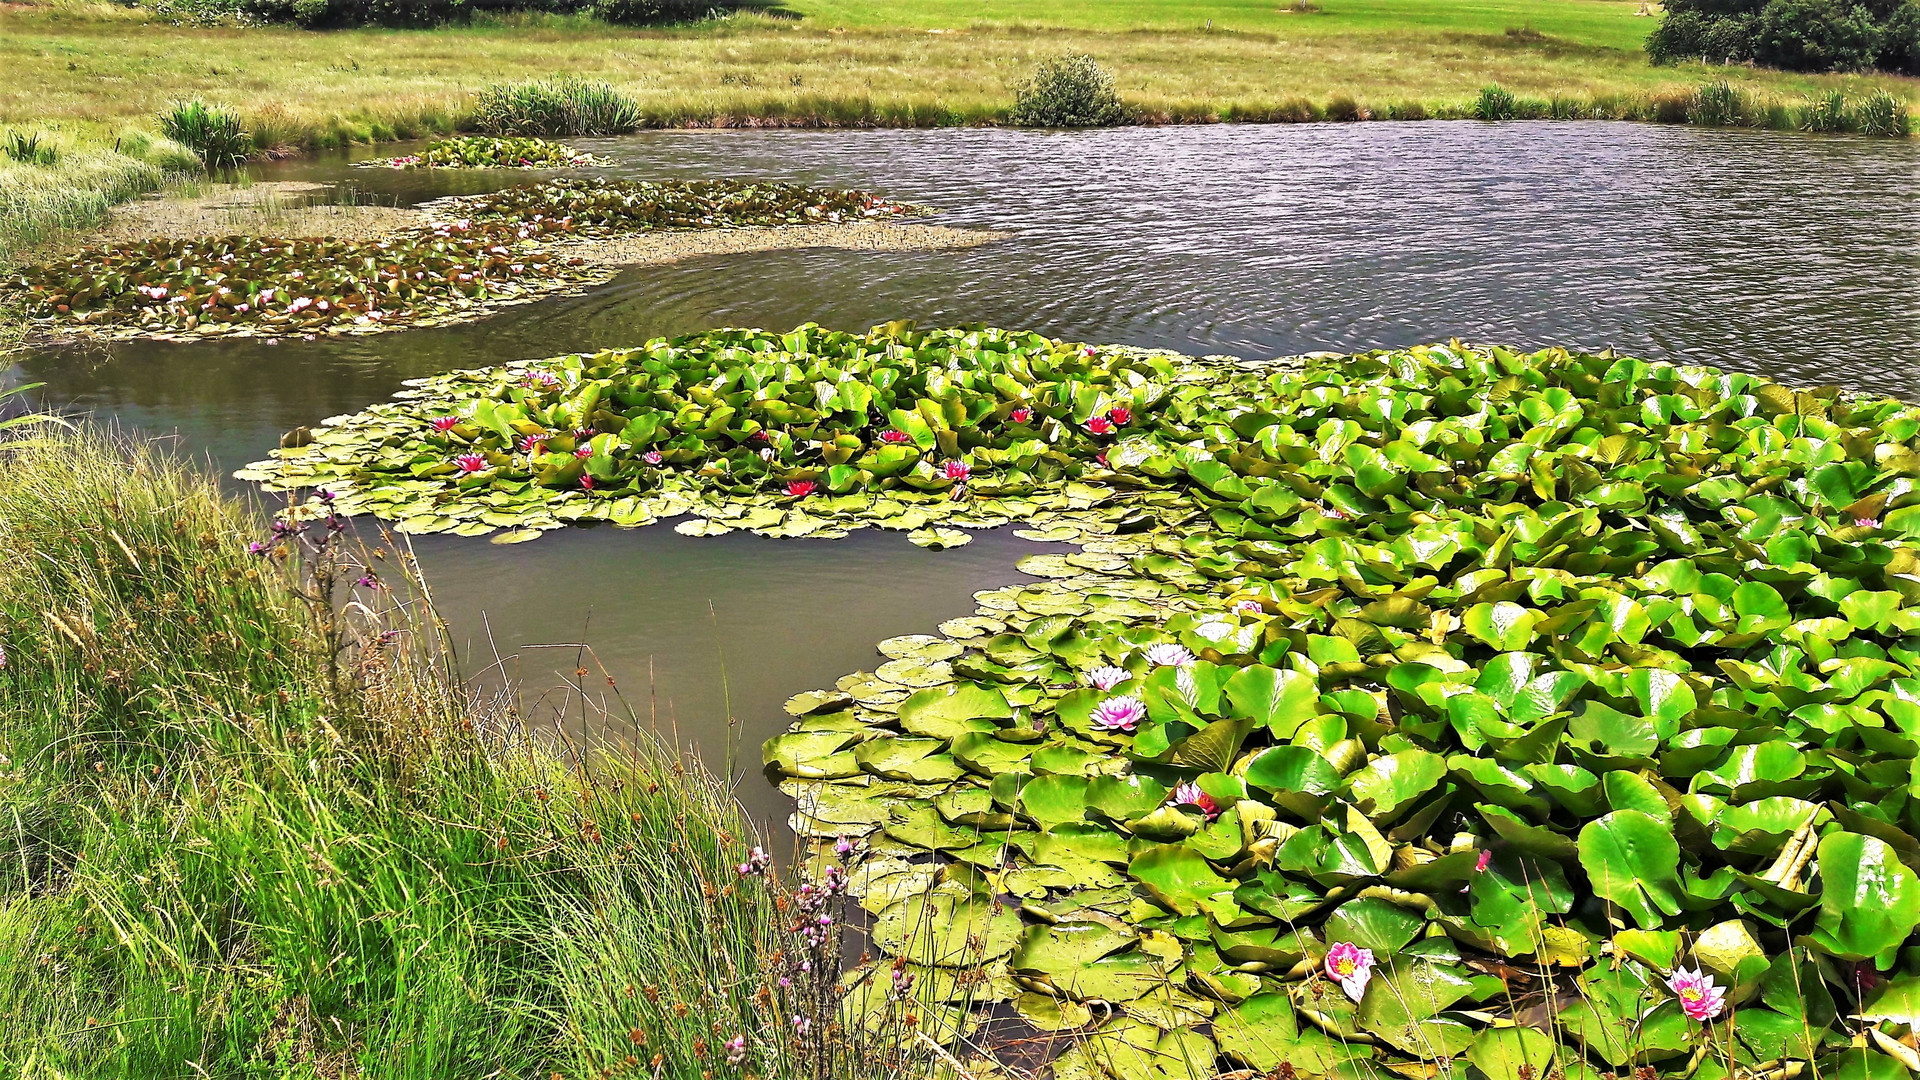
(1793, 256)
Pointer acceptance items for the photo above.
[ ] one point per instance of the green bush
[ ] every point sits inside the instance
(564, 106)
(1816, 35)
(212, 132)
(1495, 103)
(632, 12)
(1900, 40)
(1882, 114)
(1068, 91)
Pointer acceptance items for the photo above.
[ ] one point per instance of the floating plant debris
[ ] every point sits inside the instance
(511, 250)
(597, 203)
(1552, 711)
(486, 152)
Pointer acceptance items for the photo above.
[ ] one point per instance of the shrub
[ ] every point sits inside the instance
(632, 12)
(1494, 103)
(332, 13)
(32, 149)
(1882, 114)
(212, 132)
(1900, 40)
(1815, 35)
(1069, 91)
(564, 106)
(1826, 112)
(1721, 104)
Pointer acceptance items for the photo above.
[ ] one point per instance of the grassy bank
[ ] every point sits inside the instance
(219, 861)
(85, 73)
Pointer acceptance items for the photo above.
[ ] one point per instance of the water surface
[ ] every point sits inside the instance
(1792, 256)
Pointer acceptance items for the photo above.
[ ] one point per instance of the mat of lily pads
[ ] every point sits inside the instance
(1542, 714)
(480, 254)
(487, 152)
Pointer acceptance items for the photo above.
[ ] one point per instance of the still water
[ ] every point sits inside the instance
(1792, 256)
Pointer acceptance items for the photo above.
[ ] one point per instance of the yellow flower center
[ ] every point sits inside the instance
(1691, 994)
(1343, 966)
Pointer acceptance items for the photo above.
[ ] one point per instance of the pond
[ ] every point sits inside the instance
(1793, 257)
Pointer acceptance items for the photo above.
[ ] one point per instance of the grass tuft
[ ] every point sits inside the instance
(213, 132)
(556, 107)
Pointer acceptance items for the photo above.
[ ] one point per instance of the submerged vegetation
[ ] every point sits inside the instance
(483, 152)
(1551, 710)
(494, 249)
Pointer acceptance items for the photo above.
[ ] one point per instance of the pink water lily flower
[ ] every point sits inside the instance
(1100, 425)
(956, 470)
(1250, 607)
(1699, 998)
(586, 483)
(800, 489)
(583, 452)
(471, 463)
(531, 443)
(1351, 966)
(651, 457)
(444, 424)
(1108, 677)
(895, 436)
(1020, 415)
(1189, 794)
(1866, 523)
(1120, 415)
(1118, 714)
(1167, 654)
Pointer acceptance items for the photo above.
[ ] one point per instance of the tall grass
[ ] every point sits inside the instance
(213, 132)
(216, 860)
(563, 106)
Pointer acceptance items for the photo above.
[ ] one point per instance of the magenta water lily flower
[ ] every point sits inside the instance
(532, 443)
(1480, 864)
(1118, 714)
(1120, 415)
(956, 471)
(1189, 794)
(1351, 966)
(1699, 998)
(1108, 677)
(1100, 425)
(800, 489)
(471, 463)
(444, 424)
(1020, 415)
(1250, 607)
(586, 483)
(583, 452)
(651, 457)
(895, 436)
(1167, 654)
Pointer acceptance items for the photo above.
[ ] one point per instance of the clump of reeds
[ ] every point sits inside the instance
(213, 132)
(567, 105)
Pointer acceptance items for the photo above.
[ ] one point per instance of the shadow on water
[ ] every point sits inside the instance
(1796, 257)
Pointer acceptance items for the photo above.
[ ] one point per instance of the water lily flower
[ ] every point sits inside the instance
(1351, 966)
(800, 489)
(1118, 714)
(1168, 654)
(1120, 415)
(583, 452)
(444, 424)
(895, 437)
(1087, 351)
(768, 453)
(1189, 794)
(471, 463)
(1250, 607)
(1100, 425)
(1108, 677)
(956, 470)
(586, 482)
(1020, 415)
(1866, 523)
(531, 443)
(1480, 864)
(1699, 998)
(651, 457)
(300, 303)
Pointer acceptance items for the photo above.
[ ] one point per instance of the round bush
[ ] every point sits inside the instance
(1816, 35)
(1900, 40)
(632, 12)
(1070, 91)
